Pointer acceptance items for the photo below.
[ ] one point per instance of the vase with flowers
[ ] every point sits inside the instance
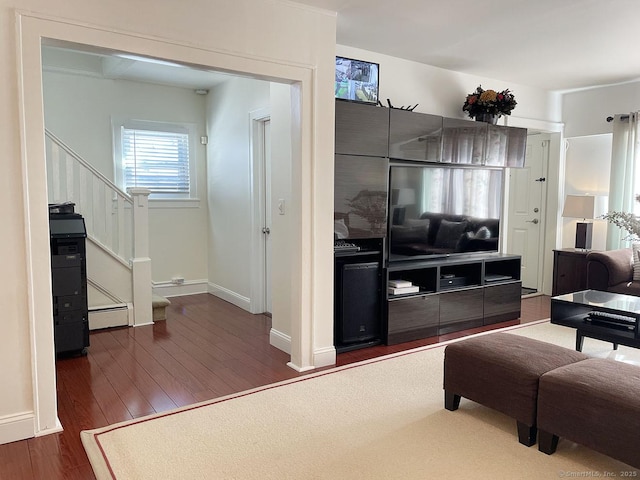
(489, 105)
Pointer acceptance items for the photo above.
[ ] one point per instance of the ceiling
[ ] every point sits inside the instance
(550, 44)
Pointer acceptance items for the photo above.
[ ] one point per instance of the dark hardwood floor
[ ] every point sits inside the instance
(205, 349)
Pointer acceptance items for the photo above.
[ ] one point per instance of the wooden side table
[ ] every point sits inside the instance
(569, 270)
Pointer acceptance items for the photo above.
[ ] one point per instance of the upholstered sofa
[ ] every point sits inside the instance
(435, 233)
(612, 271)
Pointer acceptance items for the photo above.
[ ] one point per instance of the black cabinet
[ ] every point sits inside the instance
(360, 196)
(413, 318)
(361, 129)
(460, 310)
(463, 141)
(506, 146)
(415, 136)
(69, 283)
(502, 302)
(569, 271)
(450, 295)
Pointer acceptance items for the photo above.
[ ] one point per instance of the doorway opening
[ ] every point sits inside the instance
(297, 78)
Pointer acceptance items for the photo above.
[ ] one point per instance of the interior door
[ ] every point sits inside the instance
(526, 215)
(267, 213)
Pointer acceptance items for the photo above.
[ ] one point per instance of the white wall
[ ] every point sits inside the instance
(280, 100)
(230, 177)
(266, 38)
(79, 110)
(584, 112)
(229, 185)
(587, 170)
(442, 92)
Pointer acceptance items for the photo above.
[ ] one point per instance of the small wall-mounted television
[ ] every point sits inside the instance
(439, 211)
(356, 80)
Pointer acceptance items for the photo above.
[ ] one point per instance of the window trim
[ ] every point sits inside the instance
(163, 199)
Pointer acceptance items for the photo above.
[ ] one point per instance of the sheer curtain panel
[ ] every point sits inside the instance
(623, 184)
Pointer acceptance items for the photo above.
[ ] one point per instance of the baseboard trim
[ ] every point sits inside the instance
(324, 357)
(16, 427)
(231, 297)
(117, 316)
(190, 287)
(280, 341)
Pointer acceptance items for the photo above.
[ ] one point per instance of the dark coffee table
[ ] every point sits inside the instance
(611, 317)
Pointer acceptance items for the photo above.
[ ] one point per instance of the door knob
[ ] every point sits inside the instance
(266, 230)
(535, 221)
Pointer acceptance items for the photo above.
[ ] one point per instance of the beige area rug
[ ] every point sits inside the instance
(380, 419)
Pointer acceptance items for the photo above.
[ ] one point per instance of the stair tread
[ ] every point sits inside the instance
(158, 301)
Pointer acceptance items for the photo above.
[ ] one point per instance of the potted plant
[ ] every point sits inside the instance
(489, 105)
(628, 222)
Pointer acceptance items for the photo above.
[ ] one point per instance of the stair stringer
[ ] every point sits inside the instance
(110, 273)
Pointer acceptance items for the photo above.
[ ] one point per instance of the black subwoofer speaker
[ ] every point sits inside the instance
(359, 305)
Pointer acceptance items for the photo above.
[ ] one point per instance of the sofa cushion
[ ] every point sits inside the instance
(413, 230)
(449, 233)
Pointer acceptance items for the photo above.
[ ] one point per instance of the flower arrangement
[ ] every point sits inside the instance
(489, 102)
(628, 222)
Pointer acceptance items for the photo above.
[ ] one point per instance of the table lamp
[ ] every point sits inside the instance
(581, 206)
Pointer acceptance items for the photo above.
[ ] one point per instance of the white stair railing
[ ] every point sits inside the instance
(106, 209)
(116, 221)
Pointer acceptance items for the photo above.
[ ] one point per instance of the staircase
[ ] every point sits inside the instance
(118, 263)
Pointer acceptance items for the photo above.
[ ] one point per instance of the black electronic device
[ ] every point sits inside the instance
(356, 80)
(358, 304)
(69, 281)
(342, 246)
(62, 208)
(452, 282)
(622, 322)
(442, 211)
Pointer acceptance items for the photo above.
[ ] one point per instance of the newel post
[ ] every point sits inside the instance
(141, 263)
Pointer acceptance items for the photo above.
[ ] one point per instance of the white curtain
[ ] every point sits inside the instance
(623, 185)
(462, 191)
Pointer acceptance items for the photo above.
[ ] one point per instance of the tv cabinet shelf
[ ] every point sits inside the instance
(455, 294)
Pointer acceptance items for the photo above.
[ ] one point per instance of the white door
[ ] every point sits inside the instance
(267, 213)
(526, 216)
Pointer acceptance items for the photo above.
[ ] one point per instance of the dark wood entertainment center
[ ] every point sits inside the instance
(454, 292)
(488, 292)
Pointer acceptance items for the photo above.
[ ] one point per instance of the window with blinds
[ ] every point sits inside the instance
(157, 160)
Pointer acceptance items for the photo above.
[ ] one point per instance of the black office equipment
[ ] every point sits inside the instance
(69, 280)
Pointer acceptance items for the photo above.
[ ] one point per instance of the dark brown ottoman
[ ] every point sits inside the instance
(595, 403)
(501, 371)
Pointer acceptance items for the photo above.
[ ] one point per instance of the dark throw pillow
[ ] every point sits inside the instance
(449, 233)
(413, 230)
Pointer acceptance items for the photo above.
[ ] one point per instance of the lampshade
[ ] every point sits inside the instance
(579, 206)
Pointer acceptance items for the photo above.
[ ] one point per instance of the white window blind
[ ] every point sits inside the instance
(157, 160)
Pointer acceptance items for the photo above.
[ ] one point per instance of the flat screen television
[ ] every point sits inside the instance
(442, 211)
(356, 80)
